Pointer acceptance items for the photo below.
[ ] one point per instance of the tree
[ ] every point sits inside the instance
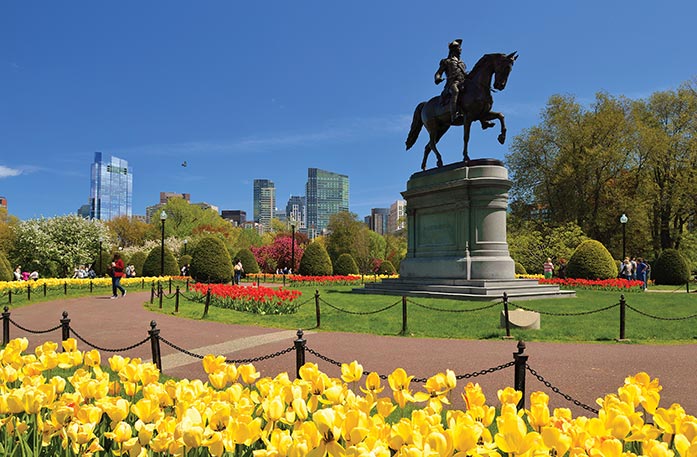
(55, 246)
(531, 242)
(345, 265)
(128, 231)
(278, 254)
(249, 263)
(315, 261)
(7, 233)
(210, 261)
(396, 248)
(153, 264)
(347, 235)
(185, 219)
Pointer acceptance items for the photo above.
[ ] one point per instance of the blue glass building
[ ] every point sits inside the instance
(327, 193)
(111, 188)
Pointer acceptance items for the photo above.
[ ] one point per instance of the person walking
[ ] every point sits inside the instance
(239, 269)
(548, 268)
(117, 273)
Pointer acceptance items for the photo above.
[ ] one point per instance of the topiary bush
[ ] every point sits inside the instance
(5, 268)
(345, 265)
(249, 263)
(315, 261)
(520, 269)
(386, 268)
(670, 268)
(152, 265)
(186, 260)
(210, 261)
(137, 259)
(591, 260)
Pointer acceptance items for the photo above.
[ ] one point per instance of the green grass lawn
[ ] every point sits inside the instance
(440, 318)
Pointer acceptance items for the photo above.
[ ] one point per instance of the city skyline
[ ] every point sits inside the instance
(196, 104)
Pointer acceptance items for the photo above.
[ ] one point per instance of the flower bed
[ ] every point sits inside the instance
(239, 413)
(260, 300)
(596, 284)
(74, 283)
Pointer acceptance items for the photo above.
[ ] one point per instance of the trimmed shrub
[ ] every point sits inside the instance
(249, 263)
(210, 261)
(520, 269)
(345, 265)
(591, 260)
(152, 265)
(104, 264)
(186, 260)
(315, 261)
(671, 268)
(386, 268)
(137, 260)
(5, 268)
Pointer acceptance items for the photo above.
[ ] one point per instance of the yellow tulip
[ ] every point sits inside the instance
(116, 362)
(120, 432)
(213, 364)
(248, 373)
(373, 384)
(351, 372)
(399, 383)
(92, 358)
(190, 429)
(553, 438)
(328, 426)
(69, 345)
(147, 410)
(509, 395)
(116, 408)
(513, 436)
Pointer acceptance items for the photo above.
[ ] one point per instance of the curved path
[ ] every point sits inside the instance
(585, 372)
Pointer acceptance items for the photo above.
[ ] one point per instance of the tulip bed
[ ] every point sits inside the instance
(259, 300)
(236, 412)
(596, 284)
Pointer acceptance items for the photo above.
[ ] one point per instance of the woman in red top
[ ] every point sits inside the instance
(116, 275)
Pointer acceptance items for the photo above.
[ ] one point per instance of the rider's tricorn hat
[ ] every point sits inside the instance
(455, 43)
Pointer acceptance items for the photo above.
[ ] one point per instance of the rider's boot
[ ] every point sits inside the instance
(487, 125)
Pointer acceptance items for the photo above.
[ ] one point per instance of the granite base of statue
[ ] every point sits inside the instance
(457, 248)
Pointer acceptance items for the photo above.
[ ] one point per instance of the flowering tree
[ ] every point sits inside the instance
(278, 254)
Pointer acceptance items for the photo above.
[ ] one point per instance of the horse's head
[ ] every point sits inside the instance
(503, 63)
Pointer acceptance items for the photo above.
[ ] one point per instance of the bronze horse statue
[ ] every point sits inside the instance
(474, 102)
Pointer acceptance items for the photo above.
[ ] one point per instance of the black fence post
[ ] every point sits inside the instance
(65, 288)
(142, 283)
(284, 280)
(6, 326)
(317, 311)
(521, 361)
(299, 352)
(65, 327)
(623, 315)
(90, 286)
(154, 333)
(505, 315)
(152, 293)
(45, 289)
(28, 292)
(404, 315)
(187, 284)
(9, 296)
(170, 285)
(208, 303)
(161, 292)
(176, 300)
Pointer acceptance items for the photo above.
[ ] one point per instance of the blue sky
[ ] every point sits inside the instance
(245, 90)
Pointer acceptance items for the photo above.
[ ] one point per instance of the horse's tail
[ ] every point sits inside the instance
(416, 125)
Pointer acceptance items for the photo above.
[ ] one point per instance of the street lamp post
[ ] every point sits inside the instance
(185, 243)
(163, 218)
(623, 221)
(292, 247)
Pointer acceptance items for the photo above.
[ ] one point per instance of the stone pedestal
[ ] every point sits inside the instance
(456, 218)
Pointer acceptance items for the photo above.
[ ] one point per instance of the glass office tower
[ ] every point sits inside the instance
(264, 202)
(111, 188)
(327, 193)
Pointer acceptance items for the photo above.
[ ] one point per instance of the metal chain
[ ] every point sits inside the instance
(365, 313)
(174, 346)
(263, 357)
(454, 310)
(418, 380)
(582, 313)
(557, 391)
(661, 318)
(35, 331)
(127, 348)
(305, 302)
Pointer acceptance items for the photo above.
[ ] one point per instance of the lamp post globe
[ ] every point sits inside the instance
(163, 218)
(185, 243)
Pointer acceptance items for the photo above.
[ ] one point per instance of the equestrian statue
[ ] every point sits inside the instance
(466, 98)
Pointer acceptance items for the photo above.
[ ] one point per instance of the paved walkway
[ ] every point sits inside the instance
(583, 371)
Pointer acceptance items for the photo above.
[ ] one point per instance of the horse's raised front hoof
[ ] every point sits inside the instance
(502, 138)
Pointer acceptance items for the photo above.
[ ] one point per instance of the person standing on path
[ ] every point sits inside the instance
(116, 275)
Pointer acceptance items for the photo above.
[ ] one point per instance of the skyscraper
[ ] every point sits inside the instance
(296, 212)
(397, 218)
(264, 202)
(327, 193)
(111, 188)
(378, 220)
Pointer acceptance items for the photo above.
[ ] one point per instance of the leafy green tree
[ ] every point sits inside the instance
(5, 268)
(128, 231)
(347, 235)
(315, 261)
(185, 220)
(531, 243)
(137, 259)
(7, 232)
(186, 259)
(153, 266)
(345, 265)
(55, 246)
(396, 248)
(210, 261)
(386, 268)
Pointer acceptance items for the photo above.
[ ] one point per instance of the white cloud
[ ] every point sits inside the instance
(6, 172)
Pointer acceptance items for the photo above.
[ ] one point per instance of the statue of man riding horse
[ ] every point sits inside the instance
(466, 98)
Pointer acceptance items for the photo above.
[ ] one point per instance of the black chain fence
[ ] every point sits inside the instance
(362, 313)
(580, 313)
(36, 332)
(557, 391)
